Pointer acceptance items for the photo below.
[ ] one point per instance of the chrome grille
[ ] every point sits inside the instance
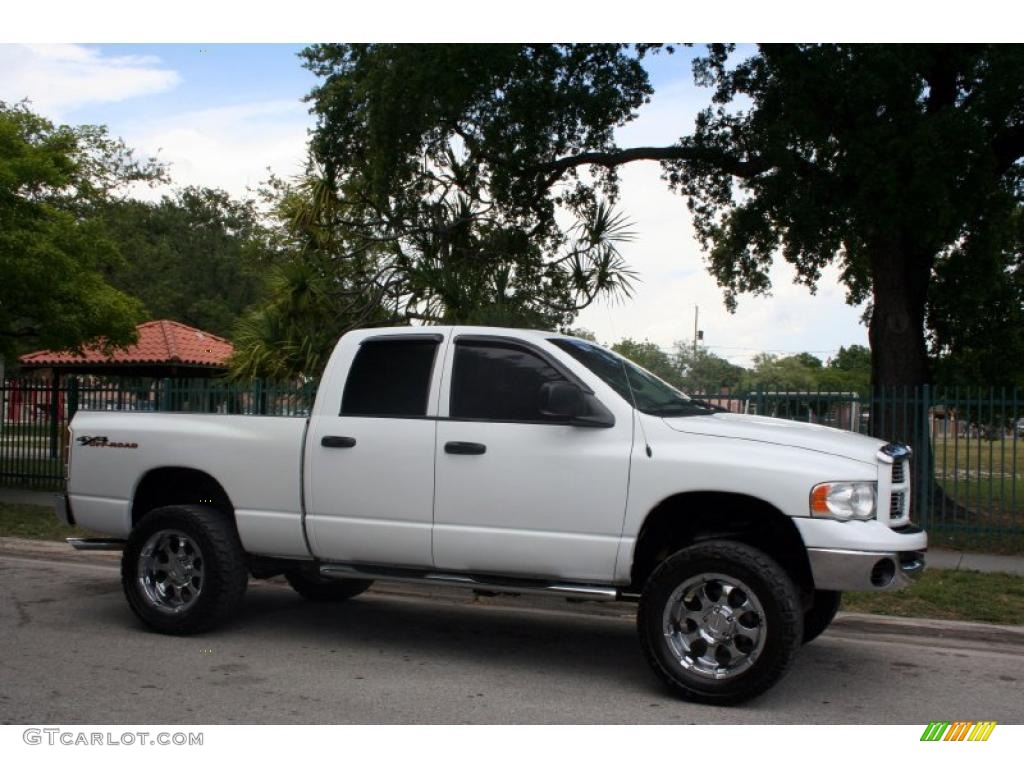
(898, 472)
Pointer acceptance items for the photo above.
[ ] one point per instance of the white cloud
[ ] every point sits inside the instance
(228, 147)
(59, 78)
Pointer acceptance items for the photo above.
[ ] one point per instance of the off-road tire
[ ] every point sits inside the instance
(818, 618)
(319, 589)
(773, 588)
(225, 575)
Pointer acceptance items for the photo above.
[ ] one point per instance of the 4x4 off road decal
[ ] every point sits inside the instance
(100, 441)
(958, 730)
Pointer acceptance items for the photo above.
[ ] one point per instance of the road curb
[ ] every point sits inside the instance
(1002, 635)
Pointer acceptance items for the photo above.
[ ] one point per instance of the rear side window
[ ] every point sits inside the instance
(498, 382)
(390, 378)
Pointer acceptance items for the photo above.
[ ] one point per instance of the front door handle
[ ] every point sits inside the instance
(337, 441)
(466, 449)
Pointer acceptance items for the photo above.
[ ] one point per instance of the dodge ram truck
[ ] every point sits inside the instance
(507, 461)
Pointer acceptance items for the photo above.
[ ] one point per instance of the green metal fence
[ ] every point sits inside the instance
(968, 462)
(968, 442)
(34, 413)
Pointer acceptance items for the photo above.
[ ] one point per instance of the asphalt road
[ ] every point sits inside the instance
(73, 653)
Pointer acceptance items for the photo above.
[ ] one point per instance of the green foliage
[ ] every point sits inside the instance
(881, 159)
(314, 291)
(54, 244)
(706, 372)
(194, 257)
(976, 314)
(415, 215)
(648, 355)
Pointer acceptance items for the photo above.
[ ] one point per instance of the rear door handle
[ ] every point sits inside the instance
(467, 449)
(337, 441)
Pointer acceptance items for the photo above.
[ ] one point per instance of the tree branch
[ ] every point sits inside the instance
(730, 164)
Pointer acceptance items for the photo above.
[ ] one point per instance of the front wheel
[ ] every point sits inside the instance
(720, 622)
(818, 618)
(183, 569)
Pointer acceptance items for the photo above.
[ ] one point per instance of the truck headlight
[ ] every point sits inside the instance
(844, 501)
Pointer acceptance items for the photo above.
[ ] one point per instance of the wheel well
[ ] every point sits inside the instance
(178, 485)
(687, 518)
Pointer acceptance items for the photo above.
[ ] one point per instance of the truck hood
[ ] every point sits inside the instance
(792, 434)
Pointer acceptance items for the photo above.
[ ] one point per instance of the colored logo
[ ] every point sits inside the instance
(959, 730)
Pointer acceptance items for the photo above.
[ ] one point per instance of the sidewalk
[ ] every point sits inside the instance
(944, 559)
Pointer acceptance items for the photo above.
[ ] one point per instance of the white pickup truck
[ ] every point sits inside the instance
(507, 461)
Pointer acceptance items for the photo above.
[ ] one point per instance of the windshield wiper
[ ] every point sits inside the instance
(680, 409)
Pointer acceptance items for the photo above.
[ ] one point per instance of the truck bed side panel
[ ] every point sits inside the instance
(256, 459)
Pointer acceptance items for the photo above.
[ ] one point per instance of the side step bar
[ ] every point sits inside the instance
(94, 545)
(575, 591)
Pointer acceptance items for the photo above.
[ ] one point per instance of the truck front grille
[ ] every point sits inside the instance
(899, 497)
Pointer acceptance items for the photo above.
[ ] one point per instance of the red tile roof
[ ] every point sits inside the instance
(162, 342)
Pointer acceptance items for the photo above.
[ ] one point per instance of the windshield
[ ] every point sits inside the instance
(636, 386)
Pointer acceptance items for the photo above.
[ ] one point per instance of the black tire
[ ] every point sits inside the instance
(821, 613)
(216, 573)
(313, 586)
(779, 632)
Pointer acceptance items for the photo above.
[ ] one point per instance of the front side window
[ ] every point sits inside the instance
(498, 382)
(635, 385)
(391, 378)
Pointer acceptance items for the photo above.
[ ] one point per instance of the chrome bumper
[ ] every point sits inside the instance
(843, 570)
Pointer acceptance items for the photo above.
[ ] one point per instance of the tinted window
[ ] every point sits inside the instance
(390, 378)
(498, 382)
(634, 384)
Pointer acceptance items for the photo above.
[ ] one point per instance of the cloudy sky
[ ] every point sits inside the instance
(221, 116)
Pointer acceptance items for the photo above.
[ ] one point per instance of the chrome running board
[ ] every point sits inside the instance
(516, 586)
(97, 544)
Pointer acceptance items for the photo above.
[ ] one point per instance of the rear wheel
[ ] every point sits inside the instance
(719, 622)
(183, 569)
(821, 613)
(312, 586)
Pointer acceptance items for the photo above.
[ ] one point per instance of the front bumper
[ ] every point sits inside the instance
(844, 570)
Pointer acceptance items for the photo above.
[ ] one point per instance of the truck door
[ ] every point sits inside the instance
(371, 470)
(518, 493)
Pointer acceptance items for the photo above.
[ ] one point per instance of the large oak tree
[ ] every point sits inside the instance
(883, 159)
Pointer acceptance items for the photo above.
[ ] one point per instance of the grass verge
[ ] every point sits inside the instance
(27, 521)
(997, 598)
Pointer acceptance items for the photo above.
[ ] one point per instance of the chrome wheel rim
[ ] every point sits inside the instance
(714, 626)
(170, 571)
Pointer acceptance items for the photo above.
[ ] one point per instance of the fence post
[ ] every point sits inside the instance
(260, 404)
(54, 414)
(925, 464)
(72, 398)
(165, 395)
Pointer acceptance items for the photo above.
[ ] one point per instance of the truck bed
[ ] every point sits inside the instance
(256, 459)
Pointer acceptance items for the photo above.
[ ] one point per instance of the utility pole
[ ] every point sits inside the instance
(696, 312)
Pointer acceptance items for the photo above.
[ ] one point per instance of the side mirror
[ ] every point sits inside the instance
(561, 400)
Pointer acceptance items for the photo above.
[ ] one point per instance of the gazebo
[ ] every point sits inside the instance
(165, 349)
